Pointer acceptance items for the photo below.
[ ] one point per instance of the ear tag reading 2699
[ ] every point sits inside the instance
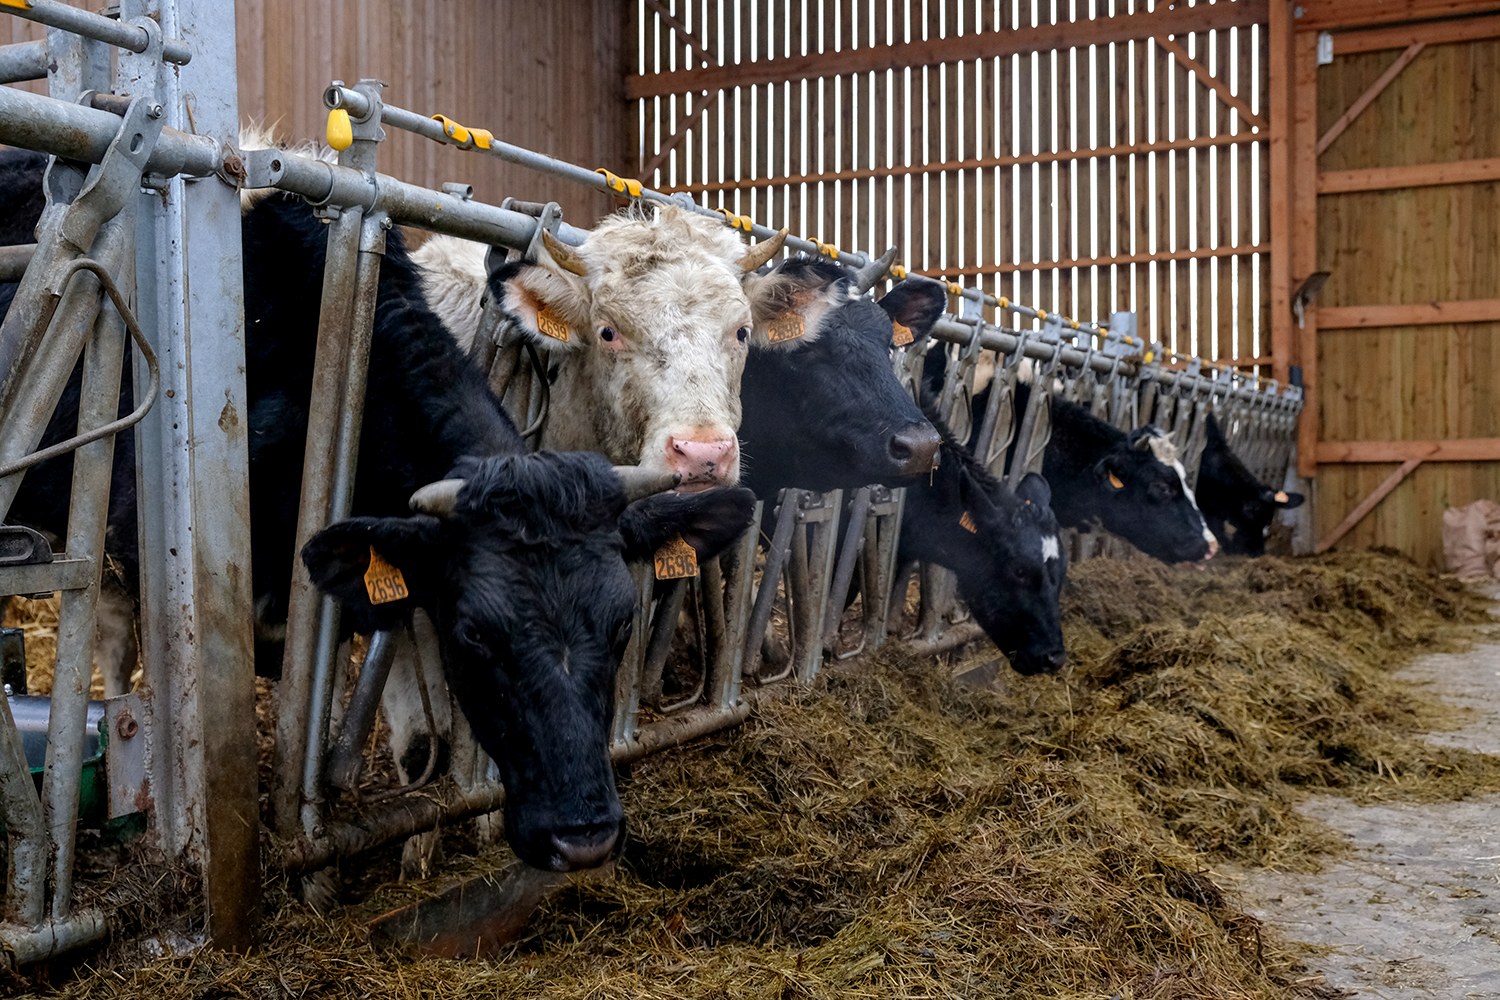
(676, 560)
(552, 324)
(384, 582)
(787, 326)
(901, 335)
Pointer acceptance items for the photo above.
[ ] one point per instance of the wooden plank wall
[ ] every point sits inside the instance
(544, 76)
(1410, 245)
(926, 156)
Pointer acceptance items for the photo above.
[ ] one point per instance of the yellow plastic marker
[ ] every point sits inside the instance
(1041, 314)
(1003, 302)
(967, 523)
(740, 222)
(18, 4)
(624, 185)
(898, 272)
(955, 288)
(1075, 324)
(676, 560)
(902, 335)
(452, 129)
(1114, 481)
(551, 324)
(1150, 355)
(826, 249)
(384, 582)
(787, 326)
(340, 131)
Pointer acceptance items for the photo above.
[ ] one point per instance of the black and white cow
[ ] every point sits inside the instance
(519, 559)
(1238, 507)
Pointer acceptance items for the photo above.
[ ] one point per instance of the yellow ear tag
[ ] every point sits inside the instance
(902, 335)
(1114, 481)
(676, 560)
(787, 326)
(384, 582)
(340, 132)
(967, 523)
(552, 324)
(1281, 496)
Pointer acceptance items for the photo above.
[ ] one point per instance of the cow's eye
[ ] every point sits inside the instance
(743, 333)
(469, 634)
(607, 334)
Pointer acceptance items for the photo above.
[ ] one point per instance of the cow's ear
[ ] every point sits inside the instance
(1281, 498)
(1035, 491)
(915, 303)
(708, 521)
(788, 305)
(406, 553)
(547, 303)
(1111, 472)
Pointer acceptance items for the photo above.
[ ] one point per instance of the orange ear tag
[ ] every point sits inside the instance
(1281, 496)
(902, 335)
(967, 523)
(676, 560)
(384, 582)
(552, 324)
(787, 326)
(1114, 481)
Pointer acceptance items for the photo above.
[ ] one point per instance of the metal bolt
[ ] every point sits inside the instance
(126, 726)
(154, 112)
(387, 222)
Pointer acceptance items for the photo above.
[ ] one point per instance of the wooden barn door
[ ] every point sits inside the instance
(1403, 345)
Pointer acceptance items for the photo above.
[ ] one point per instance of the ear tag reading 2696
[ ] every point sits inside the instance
(787, 326)
(552, 324)
(901, 335)
(384, 582)
(676, 560)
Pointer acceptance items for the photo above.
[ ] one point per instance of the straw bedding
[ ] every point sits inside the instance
(897, 832)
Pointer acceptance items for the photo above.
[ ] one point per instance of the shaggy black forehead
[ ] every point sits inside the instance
(544, 496)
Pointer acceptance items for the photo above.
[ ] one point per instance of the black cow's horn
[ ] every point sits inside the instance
(764, 250)
(437, 499)
(640, 483)
(872, 272)
(567, 258)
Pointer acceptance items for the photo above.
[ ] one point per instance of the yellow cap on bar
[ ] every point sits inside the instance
(340, 131)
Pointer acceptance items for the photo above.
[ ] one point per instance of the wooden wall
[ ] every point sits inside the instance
(1410, 245)
(547, 76)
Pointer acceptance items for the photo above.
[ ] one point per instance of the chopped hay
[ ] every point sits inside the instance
(894, 832)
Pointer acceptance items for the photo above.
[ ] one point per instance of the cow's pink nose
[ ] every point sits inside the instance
(702, 462)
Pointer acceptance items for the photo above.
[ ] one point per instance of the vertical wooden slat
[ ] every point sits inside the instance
(1304, 246)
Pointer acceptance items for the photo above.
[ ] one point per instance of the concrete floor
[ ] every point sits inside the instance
(1415, 911)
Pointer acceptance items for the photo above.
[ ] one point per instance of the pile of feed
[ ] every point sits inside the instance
(898, 832)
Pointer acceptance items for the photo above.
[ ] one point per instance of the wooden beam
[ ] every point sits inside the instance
(1368, 97)
(1211, 82)
(1450, 450)
(1026, 267)
(1412, 314)
(1304, 159)
(1366, 505)
(1321, 15)
(1166, 20)
(1279, 112)
(1470, 29)
(1418, 175)
(954, 166)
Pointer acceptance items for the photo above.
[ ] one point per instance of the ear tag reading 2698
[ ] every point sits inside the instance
(552, 324)
(384, 582)
(901, 335)
(787, 326)
(676, 560)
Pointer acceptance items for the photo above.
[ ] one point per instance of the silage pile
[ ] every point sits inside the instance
(897, 833)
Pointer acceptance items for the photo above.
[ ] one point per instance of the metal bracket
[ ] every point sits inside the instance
(22, 546)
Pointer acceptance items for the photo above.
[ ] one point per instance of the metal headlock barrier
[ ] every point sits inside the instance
(140, 196)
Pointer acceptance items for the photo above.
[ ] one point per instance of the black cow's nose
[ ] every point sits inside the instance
(586, 846)
(1057, 660)
(911, 449)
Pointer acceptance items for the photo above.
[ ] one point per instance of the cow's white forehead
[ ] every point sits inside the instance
(1050, 548)
(632, 244)
(1162, 446)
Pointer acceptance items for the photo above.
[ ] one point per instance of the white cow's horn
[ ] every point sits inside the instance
(567, 258)
(872, 272)
(640, 483)
(764, 250)
(437, 499)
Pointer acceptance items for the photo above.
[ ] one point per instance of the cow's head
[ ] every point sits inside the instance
(521, 563)
(647, 327)
(1239, 509)
(823, 408)
(1144, 498)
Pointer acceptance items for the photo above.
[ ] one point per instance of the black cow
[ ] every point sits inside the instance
(1133, 484)
(1002, 547)
(825, 411)
(1237, 506)
(524, 570)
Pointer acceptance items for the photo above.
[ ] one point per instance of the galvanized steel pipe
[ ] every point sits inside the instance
(75, 132)
(23, 61)
(98, 27)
